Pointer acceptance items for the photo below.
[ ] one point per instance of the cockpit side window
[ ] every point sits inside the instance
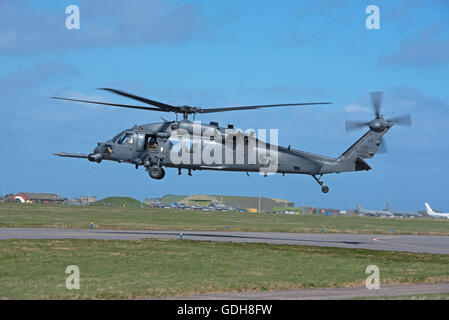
(127, 138)
(118, 136)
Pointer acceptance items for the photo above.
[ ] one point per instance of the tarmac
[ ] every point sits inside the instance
(325, 294)
(391, 242)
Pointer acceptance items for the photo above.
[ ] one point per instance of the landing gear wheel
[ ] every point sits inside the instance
(156, 172)
(324, 189)
(163, 174)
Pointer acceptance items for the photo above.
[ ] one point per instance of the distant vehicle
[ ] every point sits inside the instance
(406, 214)
(238, 209)
(432, 213)
(403, 214)
(387, 212)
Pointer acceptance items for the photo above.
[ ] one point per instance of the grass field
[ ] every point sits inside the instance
(115, 217)
(35, 269)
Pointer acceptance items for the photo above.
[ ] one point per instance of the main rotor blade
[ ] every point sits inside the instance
(405, 120)
(113, 104)
(376, 99)
(354, 125)
(158, 104)
(211, 110)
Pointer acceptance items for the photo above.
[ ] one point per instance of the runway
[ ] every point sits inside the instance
(325, 294)
(391, 242)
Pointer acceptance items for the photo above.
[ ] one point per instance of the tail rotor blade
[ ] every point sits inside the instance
(405, 120)
(351, 125)
(376, 100)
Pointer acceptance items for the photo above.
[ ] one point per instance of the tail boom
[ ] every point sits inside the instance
(352, 159)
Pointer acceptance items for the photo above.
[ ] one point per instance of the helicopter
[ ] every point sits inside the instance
(194, 145)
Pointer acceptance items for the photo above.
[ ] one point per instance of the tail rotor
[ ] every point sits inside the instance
(379, 123)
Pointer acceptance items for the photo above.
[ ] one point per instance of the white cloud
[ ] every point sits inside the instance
(356, 108)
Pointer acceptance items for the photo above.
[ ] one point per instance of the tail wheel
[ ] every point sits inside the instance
(156, 172)
(324, 189)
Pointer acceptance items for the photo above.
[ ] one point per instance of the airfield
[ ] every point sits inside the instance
(146, 253)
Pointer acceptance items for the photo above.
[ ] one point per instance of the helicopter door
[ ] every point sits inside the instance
(140, 146)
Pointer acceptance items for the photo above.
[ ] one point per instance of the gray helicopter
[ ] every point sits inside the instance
(196, 146)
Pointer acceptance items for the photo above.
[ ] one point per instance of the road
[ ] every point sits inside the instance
(325, 294)
(409, 243)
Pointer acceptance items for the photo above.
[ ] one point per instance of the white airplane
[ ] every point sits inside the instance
(432, 213)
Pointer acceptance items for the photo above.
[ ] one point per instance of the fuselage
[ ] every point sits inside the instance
(198, 146)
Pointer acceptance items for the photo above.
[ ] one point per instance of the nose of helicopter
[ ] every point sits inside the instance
(97, 148)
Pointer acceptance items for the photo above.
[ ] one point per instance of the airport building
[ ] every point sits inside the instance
(87, 199)
(47, 198)
(83, 200)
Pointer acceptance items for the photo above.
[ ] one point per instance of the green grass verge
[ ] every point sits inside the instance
(35, 269)
(31, 215)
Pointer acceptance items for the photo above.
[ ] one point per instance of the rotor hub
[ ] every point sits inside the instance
(378, 125)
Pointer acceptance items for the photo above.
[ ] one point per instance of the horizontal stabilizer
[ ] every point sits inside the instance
(361, 165)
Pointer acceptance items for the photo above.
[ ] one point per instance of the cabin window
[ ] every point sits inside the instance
(151, 142)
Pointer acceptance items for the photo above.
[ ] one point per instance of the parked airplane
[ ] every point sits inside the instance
(406, 214)
(386, 213)
(376, 213)
(432, 213)
(219, 207)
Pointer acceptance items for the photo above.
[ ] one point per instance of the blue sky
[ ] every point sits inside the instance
(225, 53)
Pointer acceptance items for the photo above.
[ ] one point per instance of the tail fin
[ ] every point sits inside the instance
(366, 147)
(429, 209)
